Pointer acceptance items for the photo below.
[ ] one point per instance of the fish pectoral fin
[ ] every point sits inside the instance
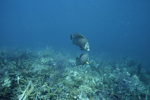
(87, 62)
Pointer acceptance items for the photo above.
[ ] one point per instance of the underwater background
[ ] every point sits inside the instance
(35, 44)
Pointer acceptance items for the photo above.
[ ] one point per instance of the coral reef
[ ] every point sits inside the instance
(52, 75)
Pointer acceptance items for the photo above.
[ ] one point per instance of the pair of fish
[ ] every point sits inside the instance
(81, 41)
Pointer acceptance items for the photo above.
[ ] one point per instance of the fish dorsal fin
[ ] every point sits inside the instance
(77, 35)
(81, 54)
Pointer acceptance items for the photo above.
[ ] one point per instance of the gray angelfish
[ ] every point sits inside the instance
(81, 41)
(83, 59)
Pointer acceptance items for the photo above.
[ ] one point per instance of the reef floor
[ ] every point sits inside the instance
(52, 75)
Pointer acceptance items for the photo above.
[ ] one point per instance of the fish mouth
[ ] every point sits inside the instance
(88, 49)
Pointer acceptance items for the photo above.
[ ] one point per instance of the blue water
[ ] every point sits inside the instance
(117, 27)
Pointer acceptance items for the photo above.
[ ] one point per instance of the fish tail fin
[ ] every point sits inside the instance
(71, 37)
(77, 59)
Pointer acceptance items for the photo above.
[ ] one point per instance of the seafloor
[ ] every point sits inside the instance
(52, 75)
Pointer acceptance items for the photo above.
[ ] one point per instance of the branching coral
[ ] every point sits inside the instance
(27, 91)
